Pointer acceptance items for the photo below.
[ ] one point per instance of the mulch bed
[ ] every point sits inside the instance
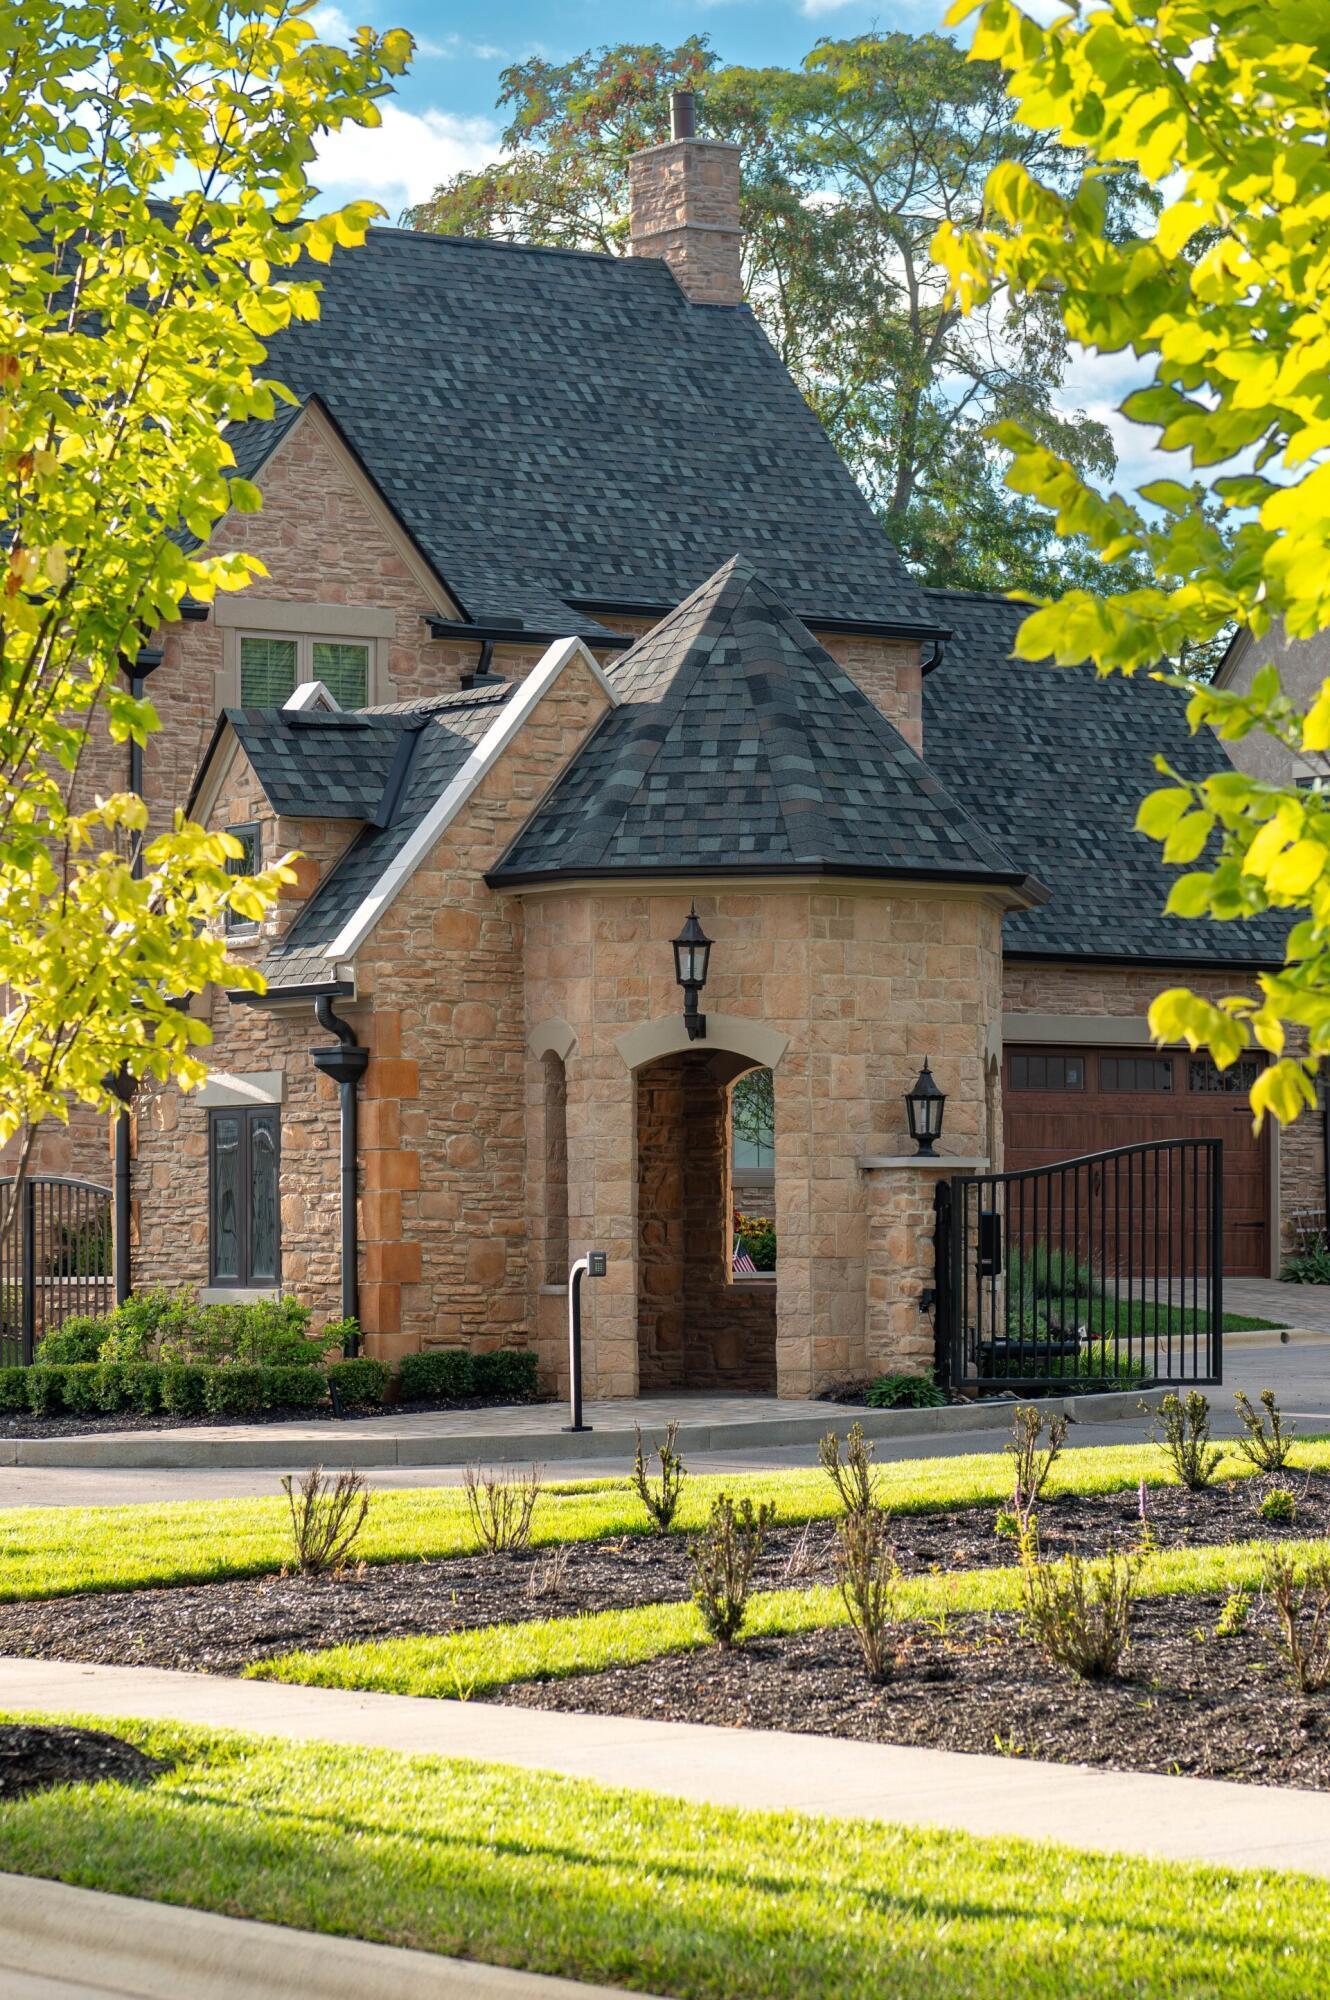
(12, 1426)
(219, 1627)
(34, 1757)
(1189, 1702)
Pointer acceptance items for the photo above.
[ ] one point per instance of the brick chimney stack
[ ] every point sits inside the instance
(684, 207)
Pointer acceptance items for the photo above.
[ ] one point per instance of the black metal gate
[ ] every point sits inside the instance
(1100, 1272)
(55, 1260)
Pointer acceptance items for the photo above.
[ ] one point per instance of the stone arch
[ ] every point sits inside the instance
(734, 1034)
(552, 1036)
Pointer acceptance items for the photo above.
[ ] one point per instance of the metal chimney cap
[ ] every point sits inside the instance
(683, 115)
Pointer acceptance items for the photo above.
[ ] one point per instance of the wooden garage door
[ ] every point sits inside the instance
(1061, 1102)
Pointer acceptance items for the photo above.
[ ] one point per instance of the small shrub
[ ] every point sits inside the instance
(13, 1389)
(1309, 1263)
(1266, 1445)
(867, 1575)
(661, 1499)
(723, 1557)
(361, 1383)
(291, 1388)
(1008, 1525)
(326, 1517)
(501, 1507)
(343, 1337)
(1300, 1599)
(508, 1374)
(854, 1476)
(904, 1392)
(182, 1387)
(446, 1373)
(1182, 1427)
(76, 1339)
(46, 1391)
(1033, 1459)
(79, 1389)
(1232, 1620)
(232, 1392)
(138, 1329)
(1079, 1612)
(1278, 1506)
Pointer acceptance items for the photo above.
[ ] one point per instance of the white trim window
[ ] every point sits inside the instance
(273, 665)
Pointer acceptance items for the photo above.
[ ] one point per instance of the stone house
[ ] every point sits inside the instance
(573, 621)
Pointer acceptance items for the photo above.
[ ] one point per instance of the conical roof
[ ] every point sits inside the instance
(740, 744)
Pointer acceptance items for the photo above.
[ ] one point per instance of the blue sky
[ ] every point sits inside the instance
(443, 120)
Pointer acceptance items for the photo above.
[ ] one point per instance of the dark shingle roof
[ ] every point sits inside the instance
(739, 743)
(1055, 762)
(314, 764)
(445, 733)
(551, 425)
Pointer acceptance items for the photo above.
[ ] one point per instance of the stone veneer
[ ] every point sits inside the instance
(861, 981)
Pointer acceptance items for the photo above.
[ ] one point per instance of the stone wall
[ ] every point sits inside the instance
(857, 985)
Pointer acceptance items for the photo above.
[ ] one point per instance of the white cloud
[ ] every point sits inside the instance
(814, 9)
(330, 24)
(405, 158)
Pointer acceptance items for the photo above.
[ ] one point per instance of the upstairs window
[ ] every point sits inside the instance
(248, 863)
(271, 669)
(244, 1218)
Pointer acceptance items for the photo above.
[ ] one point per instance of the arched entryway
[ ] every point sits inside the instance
(700, 1324)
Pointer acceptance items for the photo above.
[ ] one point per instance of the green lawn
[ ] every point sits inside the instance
(55, 1551)
(554, 1875)
(458, 1665)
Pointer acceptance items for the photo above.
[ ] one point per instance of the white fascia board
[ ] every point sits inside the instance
(219, 767)
(309, 695)
(509, 719)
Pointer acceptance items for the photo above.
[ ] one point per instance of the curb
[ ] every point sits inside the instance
(285, 1447)
(134, 1950)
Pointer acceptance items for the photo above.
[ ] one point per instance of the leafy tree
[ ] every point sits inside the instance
(1222, 106)
(153, 203)
(850, 163)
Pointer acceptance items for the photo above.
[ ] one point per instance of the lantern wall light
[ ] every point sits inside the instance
(692, 959)
(924, 1106)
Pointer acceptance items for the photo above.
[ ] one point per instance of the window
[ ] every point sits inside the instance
(753, 1133)
(272, 669)
(1029, 1070)
(1136, 1072)
(1236, 1080)
(247, 863)
(243, 1217)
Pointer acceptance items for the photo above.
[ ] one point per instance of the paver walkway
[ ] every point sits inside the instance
(64, 1943)
(1180, 1819)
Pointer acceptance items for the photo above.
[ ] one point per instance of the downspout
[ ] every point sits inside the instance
(145, 661)
(345, 1065)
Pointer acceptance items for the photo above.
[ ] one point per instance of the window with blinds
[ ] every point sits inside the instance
(272, 669)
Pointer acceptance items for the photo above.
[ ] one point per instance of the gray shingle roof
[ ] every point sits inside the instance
(551, 425)
(1055, 762)
(739, 743)
(314, 764)
(446, 732)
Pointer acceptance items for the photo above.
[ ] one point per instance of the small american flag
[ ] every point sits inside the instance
(743, 1264)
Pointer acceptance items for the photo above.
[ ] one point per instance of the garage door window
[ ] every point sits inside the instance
(1135, 1073)
(1037, 1071)
(1234, 1081)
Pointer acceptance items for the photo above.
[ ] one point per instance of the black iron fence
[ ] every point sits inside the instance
(55, 1259)
(1099, 1272)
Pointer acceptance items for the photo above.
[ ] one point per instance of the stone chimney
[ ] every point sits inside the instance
(684, 207)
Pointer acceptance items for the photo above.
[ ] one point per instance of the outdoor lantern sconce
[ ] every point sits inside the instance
(924, 1106)
(692, 955)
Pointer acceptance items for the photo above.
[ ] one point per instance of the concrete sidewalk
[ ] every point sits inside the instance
(63, 1943)
(526, 1431)
(1177, 1819)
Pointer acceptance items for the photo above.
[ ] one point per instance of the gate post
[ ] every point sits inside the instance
(942, 1283)
(28, 1252)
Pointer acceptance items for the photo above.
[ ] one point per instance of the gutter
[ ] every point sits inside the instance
(872, 628)
(514, 632)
